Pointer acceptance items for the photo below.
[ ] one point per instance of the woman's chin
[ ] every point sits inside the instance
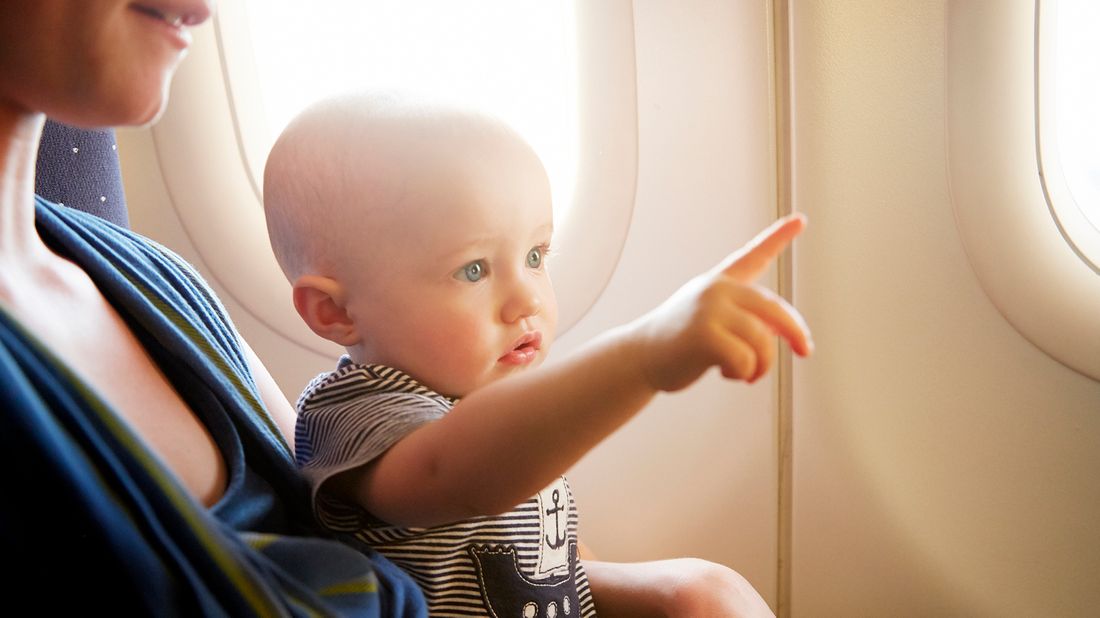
(137, 111)
(112, 108)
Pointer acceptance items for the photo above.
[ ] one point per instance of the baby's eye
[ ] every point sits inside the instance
(534, 257)
(472, 272)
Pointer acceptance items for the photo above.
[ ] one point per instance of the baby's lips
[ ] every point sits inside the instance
(528, 343)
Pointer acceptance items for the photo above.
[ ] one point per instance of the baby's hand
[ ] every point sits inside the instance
(722, 318)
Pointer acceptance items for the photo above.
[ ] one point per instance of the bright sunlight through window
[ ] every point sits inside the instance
(1077, 80)
(513, 58)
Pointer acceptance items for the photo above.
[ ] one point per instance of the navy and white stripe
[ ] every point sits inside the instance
(354, 414)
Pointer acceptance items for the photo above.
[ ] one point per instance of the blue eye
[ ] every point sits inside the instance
(472, 272)
(534, 258)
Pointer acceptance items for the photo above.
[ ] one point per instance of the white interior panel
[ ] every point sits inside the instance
(1011, 234)
(696, 473)
(943, 465)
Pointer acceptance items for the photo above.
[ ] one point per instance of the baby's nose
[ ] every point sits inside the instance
(523, 302)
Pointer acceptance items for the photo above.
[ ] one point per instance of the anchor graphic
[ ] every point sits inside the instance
(561, 538)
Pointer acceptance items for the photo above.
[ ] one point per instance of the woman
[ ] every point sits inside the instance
(150, 472)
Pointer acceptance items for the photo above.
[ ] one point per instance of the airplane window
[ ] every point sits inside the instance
(1069, 100)
(513, 58)
(1013, 155)
(260, 61)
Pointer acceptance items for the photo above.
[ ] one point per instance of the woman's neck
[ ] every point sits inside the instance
(19, 134)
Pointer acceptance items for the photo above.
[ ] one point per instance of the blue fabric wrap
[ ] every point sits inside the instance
(90, 518)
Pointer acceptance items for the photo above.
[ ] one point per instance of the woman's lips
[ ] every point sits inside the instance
(525, 350)
(176, 13)
(166, 23)
(174, 18)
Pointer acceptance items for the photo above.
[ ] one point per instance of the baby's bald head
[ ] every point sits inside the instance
(340, 175)
(413, 234)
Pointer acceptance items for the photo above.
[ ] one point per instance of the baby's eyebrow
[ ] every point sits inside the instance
(546, 230)
(475, 247)
(465, 250)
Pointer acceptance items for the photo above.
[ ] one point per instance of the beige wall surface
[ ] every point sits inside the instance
(695, 474)
(943, 466)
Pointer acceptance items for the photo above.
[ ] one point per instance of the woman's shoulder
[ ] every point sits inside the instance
(79, 231)
(140, 272)
(93, 241)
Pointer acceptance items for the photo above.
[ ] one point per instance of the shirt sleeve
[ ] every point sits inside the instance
(340, 436)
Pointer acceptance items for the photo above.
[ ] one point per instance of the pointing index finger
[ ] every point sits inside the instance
(750, 261)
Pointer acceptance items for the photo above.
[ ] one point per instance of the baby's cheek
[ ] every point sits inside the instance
(466, 356)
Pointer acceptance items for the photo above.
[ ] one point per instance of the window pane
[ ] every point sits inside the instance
(1078, 102)
(514, 58)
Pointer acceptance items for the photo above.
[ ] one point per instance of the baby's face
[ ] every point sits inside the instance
(456, 292)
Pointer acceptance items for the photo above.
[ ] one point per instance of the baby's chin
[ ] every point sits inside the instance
(500, 371)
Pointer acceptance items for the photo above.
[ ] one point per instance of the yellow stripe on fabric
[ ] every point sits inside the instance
(368, 586)
(259, 541)
(210, 353)
(304, 609)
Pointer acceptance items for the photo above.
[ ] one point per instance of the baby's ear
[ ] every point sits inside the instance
(321, 303)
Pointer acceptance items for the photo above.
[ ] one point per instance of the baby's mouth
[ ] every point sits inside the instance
(524, 350)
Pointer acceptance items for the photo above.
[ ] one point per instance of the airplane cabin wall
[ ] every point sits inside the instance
(696, 473)
(943, 466)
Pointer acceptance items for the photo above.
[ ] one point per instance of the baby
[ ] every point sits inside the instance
(417, 236)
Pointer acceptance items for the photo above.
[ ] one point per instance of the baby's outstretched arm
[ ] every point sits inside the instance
(503, 443)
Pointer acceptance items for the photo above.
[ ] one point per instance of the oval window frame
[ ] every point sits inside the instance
(1075, 226)
(205, 163)
(1050, 293)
